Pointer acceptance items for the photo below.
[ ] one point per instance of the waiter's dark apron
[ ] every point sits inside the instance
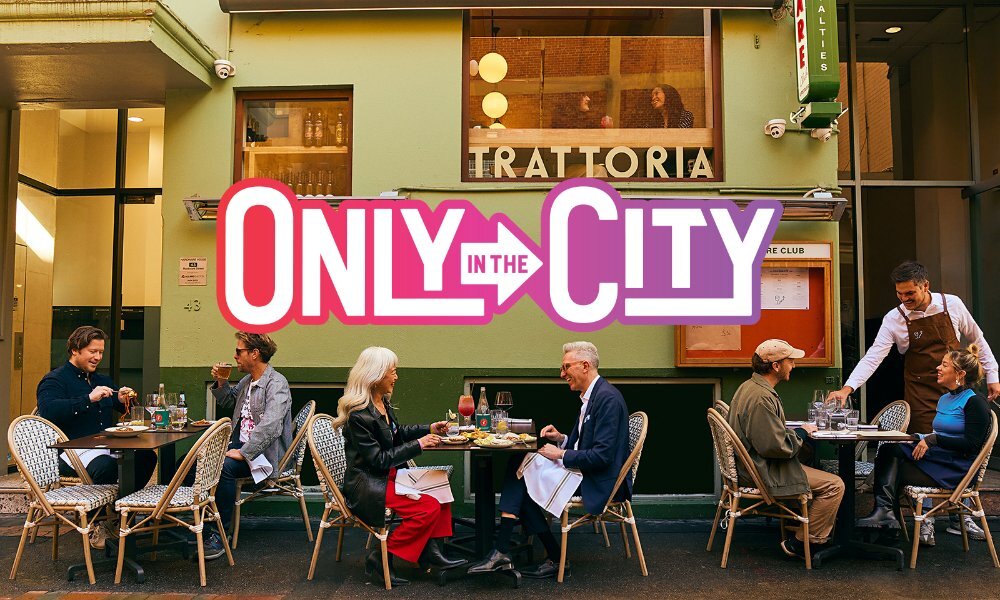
(930, 339)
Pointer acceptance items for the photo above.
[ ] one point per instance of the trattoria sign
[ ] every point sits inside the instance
(817, 57)
(600, 259)
(620, 162)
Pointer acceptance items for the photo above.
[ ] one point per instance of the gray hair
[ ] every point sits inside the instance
(585, 351)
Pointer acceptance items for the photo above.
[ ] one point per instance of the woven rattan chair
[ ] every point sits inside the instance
(893, 416)
(161, 506)
(29, 438)
(326, 444)
(952, 500)
(728, 450)
(722, 408)
(614, 512)
(287, 478)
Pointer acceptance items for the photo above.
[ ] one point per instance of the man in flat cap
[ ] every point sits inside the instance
(757, 417)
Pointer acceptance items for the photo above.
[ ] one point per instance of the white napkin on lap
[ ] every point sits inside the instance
(550, 484)
(415, 482)
(260, 468)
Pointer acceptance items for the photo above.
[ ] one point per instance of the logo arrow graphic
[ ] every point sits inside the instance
(506, 263)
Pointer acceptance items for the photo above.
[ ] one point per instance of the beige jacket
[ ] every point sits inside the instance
(757, 417)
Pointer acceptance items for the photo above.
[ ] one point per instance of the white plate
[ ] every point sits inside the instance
(132, 430)
(458, 439)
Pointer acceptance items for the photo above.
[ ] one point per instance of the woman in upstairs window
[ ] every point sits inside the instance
(941, 458)
(667, 101)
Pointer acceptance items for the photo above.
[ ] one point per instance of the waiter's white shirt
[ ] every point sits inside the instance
(584, 399)
(894, 331)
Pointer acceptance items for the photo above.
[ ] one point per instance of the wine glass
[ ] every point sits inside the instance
(466, 408)
(151, 405)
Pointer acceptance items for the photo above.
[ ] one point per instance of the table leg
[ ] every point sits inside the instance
(167, 463)
(485, 502)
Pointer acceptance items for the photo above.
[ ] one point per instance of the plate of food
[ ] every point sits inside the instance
(126, 430)
(500, 442)
(527, 438)
(129, 423)
(455, 439)
(201, 423)
(475, 434)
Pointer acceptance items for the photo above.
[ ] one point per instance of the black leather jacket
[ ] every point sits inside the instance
(371, 450)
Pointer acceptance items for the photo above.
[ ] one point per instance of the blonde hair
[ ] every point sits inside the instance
(370, 368)
(968, 360)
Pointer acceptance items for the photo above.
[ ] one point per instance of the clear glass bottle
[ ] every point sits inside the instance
(161, 418)
(318, 129)
(310, 188)
(483, 412)
(307, 130)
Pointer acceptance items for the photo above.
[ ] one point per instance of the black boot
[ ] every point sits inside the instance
(434, 557)
(886, 480)
(373, 568)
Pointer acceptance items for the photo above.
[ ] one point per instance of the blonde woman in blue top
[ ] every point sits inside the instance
(941, 458)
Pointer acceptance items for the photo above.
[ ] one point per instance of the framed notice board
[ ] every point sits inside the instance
(796, 306)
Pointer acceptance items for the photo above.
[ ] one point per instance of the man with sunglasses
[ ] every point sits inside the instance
(262, 424)
(596, 446)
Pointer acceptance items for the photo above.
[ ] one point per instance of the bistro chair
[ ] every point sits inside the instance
(952, 500)
(64, 480)
(157, 507)
(722, 408)
(614, 512)
(893, 416)
(326, 444)
(286, 479)
(728, 450)
(390, 517)
(29, 438)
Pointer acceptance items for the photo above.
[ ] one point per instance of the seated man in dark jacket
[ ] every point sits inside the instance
(597, 446)
(80, 401)
(757, 417)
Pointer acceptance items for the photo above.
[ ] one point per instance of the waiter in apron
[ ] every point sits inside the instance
(924, 327)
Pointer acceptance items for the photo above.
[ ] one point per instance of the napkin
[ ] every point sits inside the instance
(433, 482)
(260, 468)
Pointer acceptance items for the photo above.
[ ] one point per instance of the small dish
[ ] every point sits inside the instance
(126, 431)
(455, 439)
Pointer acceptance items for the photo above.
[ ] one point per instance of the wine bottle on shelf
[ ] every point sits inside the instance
(310, 189)
(318, 129)
(338, 134)
(307, 130)
(299, 188)
(320, 183)
(329, 182)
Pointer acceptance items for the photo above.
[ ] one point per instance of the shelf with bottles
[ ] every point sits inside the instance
(296, 149)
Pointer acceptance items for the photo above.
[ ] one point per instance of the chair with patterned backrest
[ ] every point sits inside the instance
(614, 512)
(326, 444)
(29, 438)
(953, 500)
(64, 480)
(894, 416)
(157, 507)
(722, 408)
(728, 450)
(287, 478)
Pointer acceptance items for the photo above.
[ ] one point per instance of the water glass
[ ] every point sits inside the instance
(136, 416)
(852, 419)
(811, 414)
(822, 419)
(452, 420)
(178, 418)
(819, 397)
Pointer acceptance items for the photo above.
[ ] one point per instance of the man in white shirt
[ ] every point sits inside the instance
(596, 446)
(924, 327)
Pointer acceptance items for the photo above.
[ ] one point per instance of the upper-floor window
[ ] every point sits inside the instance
(615, 94)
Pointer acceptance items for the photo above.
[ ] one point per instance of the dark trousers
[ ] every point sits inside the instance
(225, 493)
(104, 469)
(909, 472)
(514, 499)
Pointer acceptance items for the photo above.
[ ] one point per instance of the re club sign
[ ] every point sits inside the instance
(817, 57)
(601, 259)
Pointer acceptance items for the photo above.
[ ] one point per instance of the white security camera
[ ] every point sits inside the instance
(775, 128)
(824, 134)
(224, 69)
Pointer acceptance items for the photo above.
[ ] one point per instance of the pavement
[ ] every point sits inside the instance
(273, 558)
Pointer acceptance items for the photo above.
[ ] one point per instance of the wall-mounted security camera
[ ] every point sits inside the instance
(224, 69)
(775, 128)
(823, 134)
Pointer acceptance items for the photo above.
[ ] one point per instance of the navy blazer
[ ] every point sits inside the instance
(63, 397)
(603, 447)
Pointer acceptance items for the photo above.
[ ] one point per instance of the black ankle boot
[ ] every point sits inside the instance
(886, 480)
(373, 568)
(434, 557)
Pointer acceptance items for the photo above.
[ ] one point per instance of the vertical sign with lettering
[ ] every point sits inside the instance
(817, 56)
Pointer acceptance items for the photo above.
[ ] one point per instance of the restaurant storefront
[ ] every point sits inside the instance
(496, 106)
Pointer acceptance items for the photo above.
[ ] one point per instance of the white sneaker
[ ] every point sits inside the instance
(927, 532)
(974, 531)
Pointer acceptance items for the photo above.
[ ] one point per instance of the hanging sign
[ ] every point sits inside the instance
(817, 58)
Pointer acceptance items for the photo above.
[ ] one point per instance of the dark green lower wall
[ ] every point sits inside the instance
(676, 476)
